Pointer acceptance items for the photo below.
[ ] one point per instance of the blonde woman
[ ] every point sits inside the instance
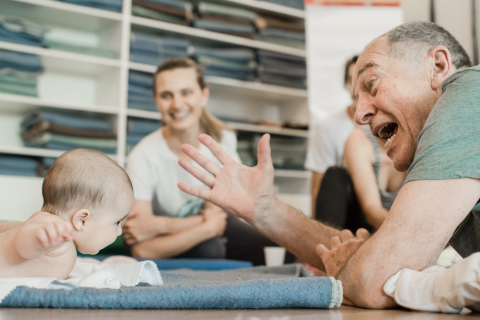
(166, 222)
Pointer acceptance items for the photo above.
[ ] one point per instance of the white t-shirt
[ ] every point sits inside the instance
(327, 141)
(155, 172)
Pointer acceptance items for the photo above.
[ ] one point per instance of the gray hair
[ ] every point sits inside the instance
(413, 38)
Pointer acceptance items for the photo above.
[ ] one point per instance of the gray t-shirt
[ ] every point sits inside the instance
(449, 147)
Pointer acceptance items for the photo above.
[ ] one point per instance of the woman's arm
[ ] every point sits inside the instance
(359, 158)
(175, 244)
(143, 225)
(314, 188)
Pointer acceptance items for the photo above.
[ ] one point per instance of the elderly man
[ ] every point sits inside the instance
(416, 92)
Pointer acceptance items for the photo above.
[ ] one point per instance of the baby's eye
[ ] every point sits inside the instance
(118, 223)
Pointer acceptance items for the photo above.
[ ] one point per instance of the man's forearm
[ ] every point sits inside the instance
(293, 230)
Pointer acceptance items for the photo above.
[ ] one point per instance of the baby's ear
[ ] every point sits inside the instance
(80, 218)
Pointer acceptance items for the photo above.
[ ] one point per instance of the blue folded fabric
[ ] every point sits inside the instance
(282, 33)
(278, 55)
(111, 5)
(141, 79)
(17, 162)
(283, 71)
(18, 172)
(251, 288)
(21, 31)
(132, 104)
(222, 72)
(236, 54)
(134, 89)
(184, 5)
(297, 4)
(19, 61)
(64, 119)
(147, 42)
(141, 126)
(155, 58)
(48, 161)
(223, 26)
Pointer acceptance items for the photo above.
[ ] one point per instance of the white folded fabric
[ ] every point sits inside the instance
(438, 289)
(113, 272)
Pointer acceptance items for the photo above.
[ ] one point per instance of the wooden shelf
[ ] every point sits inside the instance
(61, 61)
(144, 114)
(270, 8)
(267, 129)
(215, 36)
(20, 104)
(73, 8)
(301, 174)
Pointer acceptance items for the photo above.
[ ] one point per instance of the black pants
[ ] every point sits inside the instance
(337, 204)
(240, 241)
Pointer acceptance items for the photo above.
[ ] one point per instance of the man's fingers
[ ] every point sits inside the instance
(216, 149)
(201, 175)
(264, 152)
(321, 250)
(346, 234)
(335, 242)
(202, 160)
(197, 192)
(363, 234)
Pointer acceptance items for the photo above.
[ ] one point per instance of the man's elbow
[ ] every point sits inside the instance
(367, 290)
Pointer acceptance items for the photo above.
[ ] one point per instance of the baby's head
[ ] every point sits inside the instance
(90, 190)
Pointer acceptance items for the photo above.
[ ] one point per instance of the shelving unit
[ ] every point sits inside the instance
(80, 82)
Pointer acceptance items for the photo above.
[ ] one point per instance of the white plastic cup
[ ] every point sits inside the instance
(274, 256)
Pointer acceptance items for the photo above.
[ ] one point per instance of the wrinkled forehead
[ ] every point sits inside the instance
(375, 56)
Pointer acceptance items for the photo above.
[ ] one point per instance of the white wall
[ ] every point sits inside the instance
(455, 16)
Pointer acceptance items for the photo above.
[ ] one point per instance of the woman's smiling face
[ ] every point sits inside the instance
(179, 98)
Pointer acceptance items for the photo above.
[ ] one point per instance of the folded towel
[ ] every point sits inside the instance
(176, 8)
(251, 288)
(47, 126)
(226, 11)
(152, 14)
(113, 273)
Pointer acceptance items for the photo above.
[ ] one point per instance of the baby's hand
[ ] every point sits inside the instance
(52, 233)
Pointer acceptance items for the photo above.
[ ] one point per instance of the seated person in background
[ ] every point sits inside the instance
(86, 196)
(327, 141)
(375, 180)
(164, 221)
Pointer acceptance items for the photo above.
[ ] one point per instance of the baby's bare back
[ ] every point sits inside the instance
(57, 263)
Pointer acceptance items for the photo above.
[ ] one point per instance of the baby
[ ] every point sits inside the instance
(86, 197)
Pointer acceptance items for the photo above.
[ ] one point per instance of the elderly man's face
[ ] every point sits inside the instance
(394, 99)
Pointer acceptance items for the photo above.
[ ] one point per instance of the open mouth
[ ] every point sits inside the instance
(388, 132)
(180, 115)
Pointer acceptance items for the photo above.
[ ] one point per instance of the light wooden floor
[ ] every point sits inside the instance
(343, 313)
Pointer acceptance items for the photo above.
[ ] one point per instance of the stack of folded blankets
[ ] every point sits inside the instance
(111, 5)
(155, 50)
(281, 69)
(18, 166)
(296, 4)
(61, 130)
(26, 32)
(287, 152)
(237, 63)
(137, 129)
(225, 19)
(75, 41)
(21, 31)
(140, 90)
(282, 32)
(19, 73)
(175, 11)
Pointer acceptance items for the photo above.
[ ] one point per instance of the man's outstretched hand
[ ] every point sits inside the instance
(235, 188)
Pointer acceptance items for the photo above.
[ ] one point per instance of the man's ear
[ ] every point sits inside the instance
(442, 66)
(80, 218)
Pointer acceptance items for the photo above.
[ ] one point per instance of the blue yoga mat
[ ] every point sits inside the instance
(250, 288)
